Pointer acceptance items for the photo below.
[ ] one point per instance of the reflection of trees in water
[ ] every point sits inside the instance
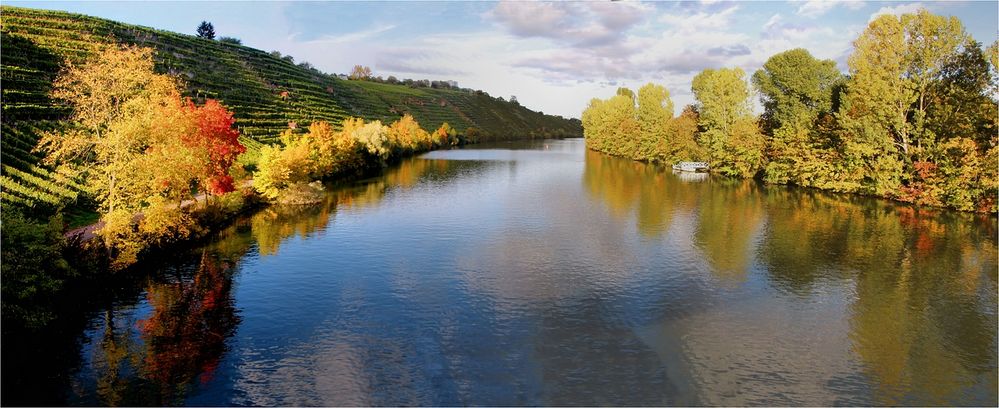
(274, 224)
(180, 343)
(923, 322)
(185, 334)
(155, 360)
(727, 221)
(626, 185)
(116, 347)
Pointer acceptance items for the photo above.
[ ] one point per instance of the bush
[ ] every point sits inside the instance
(231, 40)
(33, 267)
(288, 174)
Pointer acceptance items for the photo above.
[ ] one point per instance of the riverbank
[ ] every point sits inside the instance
(434, 280)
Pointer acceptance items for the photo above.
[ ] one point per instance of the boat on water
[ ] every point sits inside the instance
(691, 166)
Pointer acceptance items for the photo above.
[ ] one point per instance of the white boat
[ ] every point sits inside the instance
(691, 166)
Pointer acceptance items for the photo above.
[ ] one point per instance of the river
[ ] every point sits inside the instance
(540, 273)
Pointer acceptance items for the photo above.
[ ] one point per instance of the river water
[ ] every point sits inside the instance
(540, 273)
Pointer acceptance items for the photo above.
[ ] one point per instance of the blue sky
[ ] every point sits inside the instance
(553, 56)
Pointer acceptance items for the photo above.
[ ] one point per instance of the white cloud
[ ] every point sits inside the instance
(772, 22)
(897, 10)
(352, 37)
(816, 8)
(532, 19)
(700, 21)
(575, 24)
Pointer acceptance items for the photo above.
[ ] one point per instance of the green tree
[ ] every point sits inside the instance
(906, 74)
(206, 30)
(731, 134)
(795, 89)
(33, 268)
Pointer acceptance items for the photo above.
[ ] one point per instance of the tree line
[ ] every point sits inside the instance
(914, 120)
(161, 169)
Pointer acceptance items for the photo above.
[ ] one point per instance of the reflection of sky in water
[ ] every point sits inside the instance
(507, 276)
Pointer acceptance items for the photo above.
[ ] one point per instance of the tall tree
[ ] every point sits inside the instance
(206, 30)
(731, 134)
(895, 64)
(795, 89)
(655, 110)
(113, 96)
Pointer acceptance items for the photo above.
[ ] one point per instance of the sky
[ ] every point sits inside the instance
(554, 57)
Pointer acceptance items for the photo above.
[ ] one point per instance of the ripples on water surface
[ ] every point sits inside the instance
(542, 274)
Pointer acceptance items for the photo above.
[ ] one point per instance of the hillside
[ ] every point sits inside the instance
(264, 91)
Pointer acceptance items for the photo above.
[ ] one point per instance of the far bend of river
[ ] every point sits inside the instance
(540, 273)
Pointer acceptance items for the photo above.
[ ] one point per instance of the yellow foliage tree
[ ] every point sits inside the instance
(114, 96)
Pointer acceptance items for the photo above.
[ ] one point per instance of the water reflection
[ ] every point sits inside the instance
(917, 289)
(638, 190)
(275, 224)
(176, 345)
(727, 225)
(543, 274)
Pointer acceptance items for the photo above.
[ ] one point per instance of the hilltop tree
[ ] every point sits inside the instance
(360, 72)
(206, 30)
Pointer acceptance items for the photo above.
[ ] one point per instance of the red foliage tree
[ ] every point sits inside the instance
(220, 143)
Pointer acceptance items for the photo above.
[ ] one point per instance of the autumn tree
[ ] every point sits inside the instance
(611, 125)
(683, 136)
(281, 169)
(407, 134)
(360, 72)
(916, 120)
(289, 173)
(142, 146)
(445, 135)
(655, 111)
(218, 141)
(114, 96)
(911, 103)
(731, 134)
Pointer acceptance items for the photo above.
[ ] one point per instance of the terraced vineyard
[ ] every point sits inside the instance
(266, 94)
